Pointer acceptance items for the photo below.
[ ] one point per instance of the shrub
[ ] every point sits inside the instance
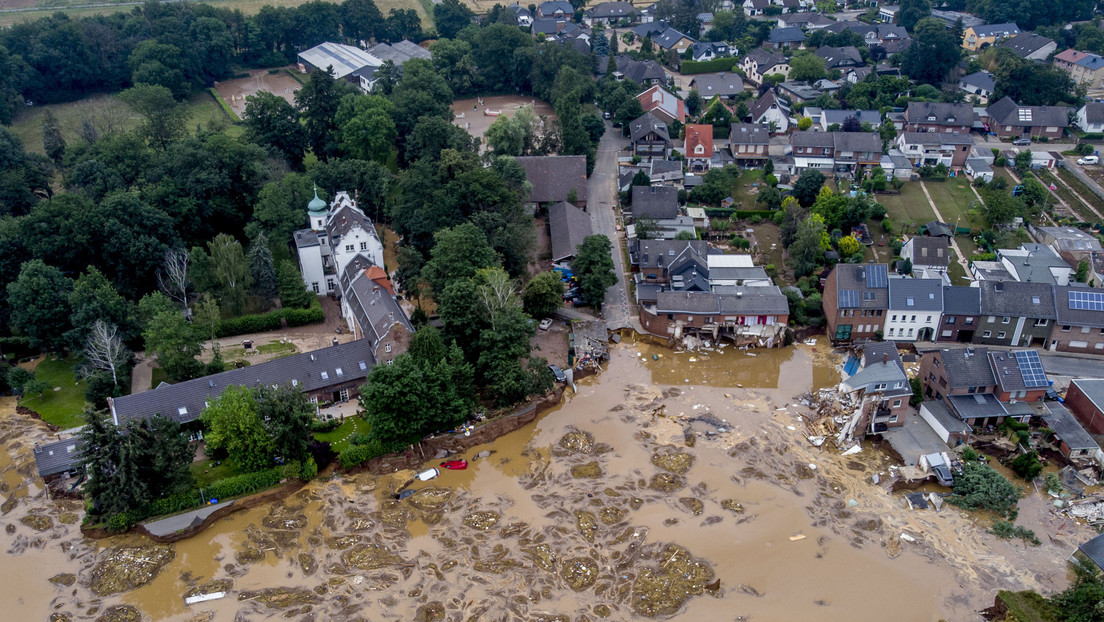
(1027, 465)
(1006, 530)
(979, 487)
(225, 107)
(689, 67)
(969, 455)
(1000, 161)
(319, 426)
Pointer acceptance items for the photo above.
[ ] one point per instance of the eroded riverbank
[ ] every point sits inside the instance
(664, 487)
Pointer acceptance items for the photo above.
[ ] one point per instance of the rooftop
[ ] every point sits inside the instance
(967, 367)
(568, 225)
(553, 177)
(1067, 428)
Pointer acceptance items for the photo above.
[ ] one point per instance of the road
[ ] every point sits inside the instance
(601, 201)
(1073, 366)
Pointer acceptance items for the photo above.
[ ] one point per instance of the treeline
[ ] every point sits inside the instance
(181, 46)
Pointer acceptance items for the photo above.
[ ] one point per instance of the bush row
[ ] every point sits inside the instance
(373, 448)
(225, 107)
(271, 321)
(689, 67)
(727, 212)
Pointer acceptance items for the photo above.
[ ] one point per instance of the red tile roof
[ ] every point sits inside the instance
(699, 141)
(378, 276)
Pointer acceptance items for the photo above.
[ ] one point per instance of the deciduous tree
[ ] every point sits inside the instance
(272, 122)
(593, 264)
(234, 425)
(163, 118)
(39, 302)
(543, 294)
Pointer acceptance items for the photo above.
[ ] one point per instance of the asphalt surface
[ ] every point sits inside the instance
(601, 203)
(1072, 366)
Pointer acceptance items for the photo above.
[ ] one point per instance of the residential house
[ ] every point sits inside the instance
(753, 8)
(824, 119)
(724, 84)
(653, 258)
(888, 13)
(769, 111)
(842, 152)
(856, 298)
(1030, 46)
(689, 272)
(839, 58)
(977, 38)
(886, 35)
(927, 252)
(1007, 119)
(880, 387)
(699, 147)
(663, 172)
(926, 148)
(760, 62)
(1080, 323)
(1085, 399)
(523, 16)
(1015, 314)
(338, 235)
(711, 50)
(735, 271)
(961, 314)
(568, 226)
(1019, 374)
(372, 312)
(978, 168)
(799, 92)
(758, 313)
(750, 143)
(1090, 117)
(914, 309)
(654, 202)
(644, 72)
(780, 38)
(1074, 443)
(938, 229)
(1030, 263)
(1068, 240)
(555, 178)
(560, 10)
(806, 21)
(672, 39)
(1083, 67)
(649, 28)
(1091, 551)
(952, 18)
(939, 117)
(663, 105)
(979, 84)
(649, 137)
(984, 387)
(609, 13)
(854, 75)
(956, 372)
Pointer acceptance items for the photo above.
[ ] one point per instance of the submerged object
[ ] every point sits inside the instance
(425, 476)
(456, 465)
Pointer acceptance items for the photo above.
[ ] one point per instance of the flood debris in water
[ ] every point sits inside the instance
(281, 597)
(120, 613)
(587, 470)
(482, 521)
(37, 522)
(672, 460)
(661, 590)
(666, 482)
(65, 579)
(579, 572)
(124, 568)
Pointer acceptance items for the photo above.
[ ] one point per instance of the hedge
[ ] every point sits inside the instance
(689, 67)
(225, 107)
(728, 212)
(262, 322)
(358, 454)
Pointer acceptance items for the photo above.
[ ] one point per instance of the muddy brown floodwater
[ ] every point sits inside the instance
(670, 487)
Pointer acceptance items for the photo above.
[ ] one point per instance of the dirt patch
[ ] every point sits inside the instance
(472, 116)
(235, 91)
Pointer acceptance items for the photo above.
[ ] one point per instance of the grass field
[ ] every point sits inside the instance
(911, 206)
(339, 438)
(206, 472)
(954, 198)
(46, 8)
(64, 407)
(159, 375)
(108, 114)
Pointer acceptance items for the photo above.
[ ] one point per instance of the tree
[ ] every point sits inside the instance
(808, 187)
(1082, 274)
(412, 397)
(317, 103)
(287, 415)
(289, 283)
(693, 103)
(979, 487)
(272, 122)
(1034, 193)
(163, 118)
(24, 381)
(53, 143)
(807, 250)
(804, 123)
(792, 217)
(458, 253)
(280, 209)
(172, 278)
(230, 270)
(933, 53)
(1031, 83)
(497, 291)
(39, 303)
(807, 67)
(1027, 465)
(453, 59)
(234, 424)
(427, 346)
(450, 17)
(175, 342)
(104, 350)
(848, 246)
(911, 12)
(261, 268)
(593, 265)
(365, 127)
(851, 124)
(543, 294)
(1022, 162)
(95, 299)
(1000, 207)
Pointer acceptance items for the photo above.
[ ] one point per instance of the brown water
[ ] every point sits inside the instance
(510, 537)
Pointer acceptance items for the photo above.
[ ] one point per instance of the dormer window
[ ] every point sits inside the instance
(325, 375)
(182, 411)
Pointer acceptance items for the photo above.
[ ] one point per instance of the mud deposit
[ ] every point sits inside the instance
(643, 496)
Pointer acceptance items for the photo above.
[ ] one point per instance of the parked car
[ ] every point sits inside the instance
(546, 323)
(1022, 142)
(1089, 160)
(558, 373)
(572, 293)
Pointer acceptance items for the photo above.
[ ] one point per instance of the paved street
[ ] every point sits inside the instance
(1073, 366)
(601, 199)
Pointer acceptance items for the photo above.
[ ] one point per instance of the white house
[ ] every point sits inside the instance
(914, 309)
(1090, 117)
(337, 236)
(769, 111)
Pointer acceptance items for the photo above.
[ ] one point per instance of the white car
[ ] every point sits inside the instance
(1089, 160)
(546, 323)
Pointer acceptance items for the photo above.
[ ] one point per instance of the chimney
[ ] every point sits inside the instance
(885, 359)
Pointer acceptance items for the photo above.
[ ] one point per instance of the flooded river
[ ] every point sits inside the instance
(674, 486)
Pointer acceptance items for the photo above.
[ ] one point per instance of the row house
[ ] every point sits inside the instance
(1079, 326)
(939, 117)
(1030, 46)
(980, 84)
(1083, 67)
(610, 13)
(1085, 399)
(928, 148)
(915, 306)
(1030, 263)
(843, 152)
(961, 314)
(855, 299)
(760, 62)
(983, 387)
(880, 387)
(1015, 314)
(699, 147)
(1090, 117)
(740, 311)
(749, 143)
(1007, 119)
(927, 253)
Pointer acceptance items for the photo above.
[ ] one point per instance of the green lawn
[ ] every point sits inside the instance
(159, 376)
(742, 191)
(954, 198)
(206, 472)
(339, 438)
(64, 407)
(909, 206)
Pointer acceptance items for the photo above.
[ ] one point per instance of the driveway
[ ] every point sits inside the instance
(601, 203)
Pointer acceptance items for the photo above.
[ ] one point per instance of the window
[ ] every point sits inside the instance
(1084, 330)
(329, 284)
(314, 286)
(931, 377)
(947, 333)
(950, 319)
(348, 248)
(928, 319)
(893, 319)
(843, 331)
(325, 375)
(1006, 320)
(363, 246)
(1099, 346)
(992, 319)
(340, 372)
(910, 332)
(880, 386)
(986, 334)
(880, 315)
(893, 418)
(387, 348)
(896, 403)
(1041, 322)
(969, 321)
(1001, 335)
(182, 411)
(912, 320)
(1066, 328)
(363, 366)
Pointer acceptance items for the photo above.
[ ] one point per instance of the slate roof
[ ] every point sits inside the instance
(861, 286)
(1094, 112)
(760, 106)
(945, 417)
(658, 202)
(961, 300)
(750, 301)
(1067, 428)
(976, 406)
(908, 294)
(725, 84)
(1025, 43)
(929, 251)
(669, 38)
(606, 10)
(1016, 299)
(878, 351)
(646, 123)
(765, 59)
(652, 254)
(873, 117)
(982, 80)
(568, 226)
(552, 177)
(1077, 317)
(785, 36)
(749, 134)
(997, 30)
(58, 456)
(305, 371)
(1034, 266)
(372, 301)
(551, 6)
(650, 28)
(877, 372)
(967, 367)
(852, 142)
(936, 229)
(944, 113)
(346, 218)
(717, 47)
(1008, 112)
(846, 56)
(1094, 550)
(737, 273)
(1071, 238)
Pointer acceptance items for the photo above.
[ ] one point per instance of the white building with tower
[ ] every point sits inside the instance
(338, 234)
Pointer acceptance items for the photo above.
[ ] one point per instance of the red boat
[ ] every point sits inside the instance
(455, 465)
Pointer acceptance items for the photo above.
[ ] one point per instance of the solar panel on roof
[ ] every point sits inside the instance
(1031, 368)
(877, 275)
(848, 298)
(1086, 301)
